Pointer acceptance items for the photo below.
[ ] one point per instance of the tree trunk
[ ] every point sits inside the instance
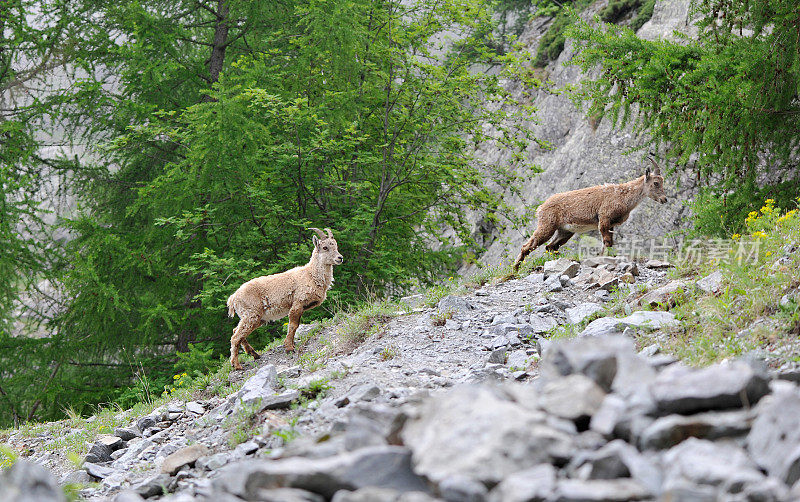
(215, 63)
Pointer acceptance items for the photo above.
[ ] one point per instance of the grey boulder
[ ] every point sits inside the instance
(581, 311)
(774, 440)
(28, 482)
(535, 483)
(377, 466)
(682, 390)
(481, 433)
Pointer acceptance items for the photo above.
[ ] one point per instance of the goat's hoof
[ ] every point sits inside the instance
(256, 355)
(289, 349)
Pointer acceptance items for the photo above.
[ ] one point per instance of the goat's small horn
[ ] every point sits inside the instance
(655, 164)
(330, 234)
(318, 232)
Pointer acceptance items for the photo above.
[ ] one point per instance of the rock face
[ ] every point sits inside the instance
(584, 153)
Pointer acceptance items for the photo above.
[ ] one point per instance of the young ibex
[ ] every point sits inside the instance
(600, 207)
(291, 293)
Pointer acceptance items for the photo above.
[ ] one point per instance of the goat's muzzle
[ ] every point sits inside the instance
(663, 200)
(339, 260)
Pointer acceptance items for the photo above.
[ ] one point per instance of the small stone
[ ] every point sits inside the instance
(128, 496)
(74, 478)
(574, 397)
(498, 356)
(517, 360)
(127, 433)
(374, 466)
(600, 490)
(290, 372)
(185, 456)
(98, 471)
(280, 401)
(774, 440)
(668, 431)
(711, 283)
(685, 391)
(709, 463)
(535, 278)
(608, 283)
(504, 318)
(542, 324)
(460, 488)
(213, 462)
(195, 407)
(604, 326)
(103, 447)
(358, 393)
(562, 266)
(581, 311)
(657, 264)
(153, 486)
(664, 296)
(535, 483)
(452, 303)
(553, 284)
(627, 278)
(648, 320)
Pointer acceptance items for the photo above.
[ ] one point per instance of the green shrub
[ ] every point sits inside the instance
(618, 9)
(196, 361)
(643, 15)
(716, 215)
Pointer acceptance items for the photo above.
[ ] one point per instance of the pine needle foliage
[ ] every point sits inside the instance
(725, 106)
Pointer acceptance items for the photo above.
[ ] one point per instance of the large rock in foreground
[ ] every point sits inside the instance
(376, 466)
(29, 482)
(683, 390)
(481, 433)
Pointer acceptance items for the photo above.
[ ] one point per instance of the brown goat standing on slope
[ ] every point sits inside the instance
(291, 293)
(600, 207)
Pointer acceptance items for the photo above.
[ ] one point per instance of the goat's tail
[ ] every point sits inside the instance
(231, 310)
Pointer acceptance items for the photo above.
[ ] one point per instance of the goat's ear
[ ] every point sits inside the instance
(647, 174)
(315, 240)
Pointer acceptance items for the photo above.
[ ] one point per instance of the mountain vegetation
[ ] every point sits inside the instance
(217, 131)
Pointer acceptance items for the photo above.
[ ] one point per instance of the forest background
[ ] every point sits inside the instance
(216, 132)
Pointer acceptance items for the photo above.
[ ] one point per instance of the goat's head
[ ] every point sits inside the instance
(654, 184)
(326, 246)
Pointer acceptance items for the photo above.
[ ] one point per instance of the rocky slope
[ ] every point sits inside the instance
(473, 399)
(585, 153)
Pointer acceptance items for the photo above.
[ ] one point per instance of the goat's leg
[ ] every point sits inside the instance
(249, 349)
(294, 322)
(540, 236)
(246, 326)
(562, 236)
(606, 231)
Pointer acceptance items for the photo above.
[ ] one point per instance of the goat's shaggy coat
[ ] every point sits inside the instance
(291, 293)
(600, 207)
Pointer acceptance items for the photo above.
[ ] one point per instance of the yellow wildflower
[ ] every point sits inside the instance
(769, 201)
(735, 236)
(769, 253)
(759, 234)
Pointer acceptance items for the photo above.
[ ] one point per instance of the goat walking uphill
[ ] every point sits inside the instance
(291, 293)
(600, 207)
